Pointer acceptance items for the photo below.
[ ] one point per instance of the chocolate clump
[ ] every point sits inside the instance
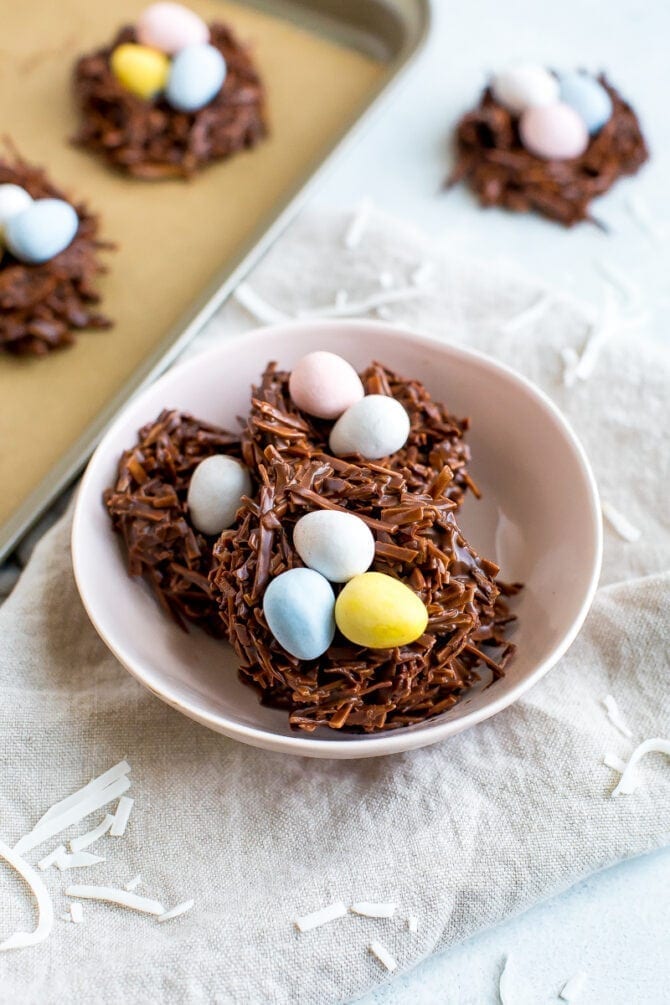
(490, 157)
(150, 139)
(43, 306)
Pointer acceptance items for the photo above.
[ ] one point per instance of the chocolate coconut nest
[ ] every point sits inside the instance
(43, 306)
(408, 500)
(149, 139)
(501, 172)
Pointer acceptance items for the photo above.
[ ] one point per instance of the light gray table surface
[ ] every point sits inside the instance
(615, 926)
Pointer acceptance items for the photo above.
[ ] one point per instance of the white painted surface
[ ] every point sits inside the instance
(613, 926)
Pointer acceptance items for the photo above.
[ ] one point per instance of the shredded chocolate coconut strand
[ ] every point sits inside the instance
(501, 172)
(409, 502)
(150, 139)
(43, 306)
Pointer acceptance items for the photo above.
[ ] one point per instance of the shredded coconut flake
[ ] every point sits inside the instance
(73, 814)
(620, 523)
(355, 308)
(654, 746)
(133, 883)
(504, 991)
(259, 308)
(85, 840)
(573, 988)
(309, 921)
(101, 782)
(76, 912)
(371, 910)
(45, 910)
(613, 761)
(358, 224)
(527, 316)
(52, 858)
(78, 860)
(121, 816)
(413, 923)
(383, 955)
(175, 912)
(599, 334)
(112, 895)
(615, 717)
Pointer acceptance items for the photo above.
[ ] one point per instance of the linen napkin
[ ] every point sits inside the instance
(462, 834)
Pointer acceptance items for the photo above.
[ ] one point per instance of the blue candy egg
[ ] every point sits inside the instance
(588, 98)
(299, 607)
(41, 231)
(196, 76)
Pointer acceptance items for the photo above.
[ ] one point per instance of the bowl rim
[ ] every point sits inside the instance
(375, 744)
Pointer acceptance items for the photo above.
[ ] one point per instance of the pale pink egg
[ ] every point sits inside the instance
(170, 27)
(324, 384)
(553, 132)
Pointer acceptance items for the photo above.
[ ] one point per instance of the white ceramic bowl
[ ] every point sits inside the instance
(539, 519)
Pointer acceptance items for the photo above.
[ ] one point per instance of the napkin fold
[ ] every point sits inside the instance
(462, 834)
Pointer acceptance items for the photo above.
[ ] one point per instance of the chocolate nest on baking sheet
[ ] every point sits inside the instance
(409, 501)
(43, 306)
(151, 140)
(501, 172)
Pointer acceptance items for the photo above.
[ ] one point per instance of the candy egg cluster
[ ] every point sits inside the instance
(557, 114)
(172, 57)
(35, 230)
(373, 610)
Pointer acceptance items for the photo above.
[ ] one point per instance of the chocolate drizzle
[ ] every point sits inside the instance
(408, 500)
(501, 172)
(151, 140)
(43, 306)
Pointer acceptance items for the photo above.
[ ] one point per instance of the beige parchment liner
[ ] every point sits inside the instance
(173, 236)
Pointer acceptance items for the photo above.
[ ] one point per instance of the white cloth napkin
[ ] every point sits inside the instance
(462, 834)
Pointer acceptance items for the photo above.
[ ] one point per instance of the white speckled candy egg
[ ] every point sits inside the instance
(588, 98)
(374, 427)
(41, 231)
(338, 545)
(170, 28)
(215, 493)
(299, 607)
(13, 200)
(553, 132)
(324, 384)
(527, 85)
(196, 77)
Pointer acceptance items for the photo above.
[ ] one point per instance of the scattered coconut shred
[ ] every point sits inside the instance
(620, 523)
(369, 910)
(627, 782)
(383, 955)
(321, 917)
(615, 717)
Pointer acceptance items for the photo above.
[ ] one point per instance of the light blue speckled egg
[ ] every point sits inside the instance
(196, 76)
(41, 231)
(299, 607)
(588, 98)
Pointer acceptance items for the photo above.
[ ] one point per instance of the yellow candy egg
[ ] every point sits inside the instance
(380, 612)
(141, 70)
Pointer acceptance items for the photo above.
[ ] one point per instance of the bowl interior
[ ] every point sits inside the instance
(538, 519)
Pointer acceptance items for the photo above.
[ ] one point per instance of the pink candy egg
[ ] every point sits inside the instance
(553, 132)
(170, 27)
(324, 385)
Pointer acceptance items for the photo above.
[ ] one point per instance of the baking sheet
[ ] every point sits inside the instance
(174, 237)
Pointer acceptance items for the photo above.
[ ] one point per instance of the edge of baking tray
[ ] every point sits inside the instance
(190, 323)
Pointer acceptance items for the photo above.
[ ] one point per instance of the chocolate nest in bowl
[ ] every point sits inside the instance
(43, 306)
(408, 500)
(151, 140)
(490, 157)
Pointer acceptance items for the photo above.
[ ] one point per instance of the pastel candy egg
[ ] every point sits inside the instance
(13, 200)
(141, 70)
(41, 231)
(215, 493)
(171, 27)
(553, 132)
(588, 98)
(299, 608)
(338, 545)
(374, 427)
(527, 85)
(324, 384)
(380, 612)
(196, 76)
